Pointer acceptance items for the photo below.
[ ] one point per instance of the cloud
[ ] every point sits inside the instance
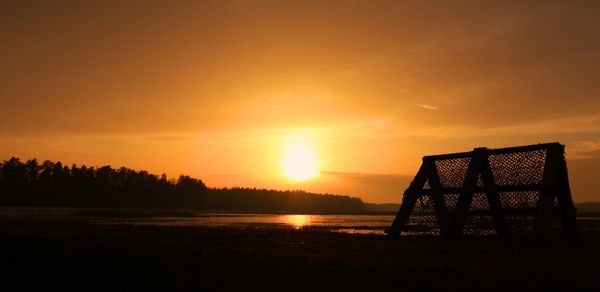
(361, 175)
(584, 149)
(558, 126)
(428, 107)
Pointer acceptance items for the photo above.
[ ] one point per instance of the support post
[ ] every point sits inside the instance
(441, 213)
(491, 191)
(549, 191)
(408, 203)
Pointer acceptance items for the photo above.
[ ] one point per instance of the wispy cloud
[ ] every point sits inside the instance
(427, 107)
(560, 126)
(363, 175)
(584, 149)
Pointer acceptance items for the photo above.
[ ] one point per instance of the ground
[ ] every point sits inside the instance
(70, 254)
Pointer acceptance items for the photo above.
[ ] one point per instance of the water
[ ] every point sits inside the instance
(364, 224)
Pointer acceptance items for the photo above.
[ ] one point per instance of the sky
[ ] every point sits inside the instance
(219, 89)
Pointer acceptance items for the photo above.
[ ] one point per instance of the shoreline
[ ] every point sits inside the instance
(168, 212)
(71, 254)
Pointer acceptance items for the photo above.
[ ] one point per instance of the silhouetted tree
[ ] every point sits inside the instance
(55, 184)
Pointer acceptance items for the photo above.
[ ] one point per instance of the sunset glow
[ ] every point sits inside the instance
(219, 89)
(300, 144)
(299, 160)
(297, 221)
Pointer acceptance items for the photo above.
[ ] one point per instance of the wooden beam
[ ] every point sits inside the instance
(567, 211)
(499, 188)
(491, 190)
(465, 198)
(496, 151)
(408, 203)
(549, 192)
(441, 213)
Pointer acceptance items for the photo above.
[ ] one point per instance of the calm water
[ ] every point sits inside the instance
(365, 224)
(369, 224)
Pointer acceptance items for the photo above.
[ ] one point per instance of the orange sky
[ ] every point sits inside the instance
(214, 89)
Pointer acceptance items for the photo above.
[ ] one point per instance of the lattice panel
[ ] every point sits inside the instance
(520, 224)
(480, 225)
(426, 186)
(479, 202)
(452, 172)
(422, 220)
(425, 206)
(451, 200)
(519, 200)
(519, 168)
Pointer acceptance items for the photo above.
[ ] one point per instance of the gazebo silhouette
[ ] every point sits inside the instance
(502, 192)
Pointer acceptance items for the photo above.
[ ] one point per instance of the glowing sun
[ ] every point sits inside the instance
(299, 160)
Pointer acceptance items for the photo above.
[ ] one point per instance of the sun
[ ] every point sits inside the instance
(299, 161)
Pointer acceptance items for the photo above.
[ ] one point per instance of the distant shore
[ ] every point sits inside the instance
(152, 212)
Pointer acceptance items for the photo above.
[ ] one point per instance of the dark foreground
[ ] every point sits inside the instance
(68, 254)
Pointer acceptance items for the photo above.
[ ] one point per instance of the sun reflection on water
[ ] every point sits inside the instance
(297, 221)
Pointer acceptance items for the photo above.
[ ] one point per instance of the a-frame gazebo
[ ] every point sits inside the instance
(505, 191)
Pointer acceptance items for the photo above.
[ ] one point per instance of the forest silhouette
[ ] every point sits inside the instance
(52, 184)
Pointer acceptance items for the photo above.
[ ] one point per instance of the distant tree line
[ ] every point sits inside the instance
(52, 184)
